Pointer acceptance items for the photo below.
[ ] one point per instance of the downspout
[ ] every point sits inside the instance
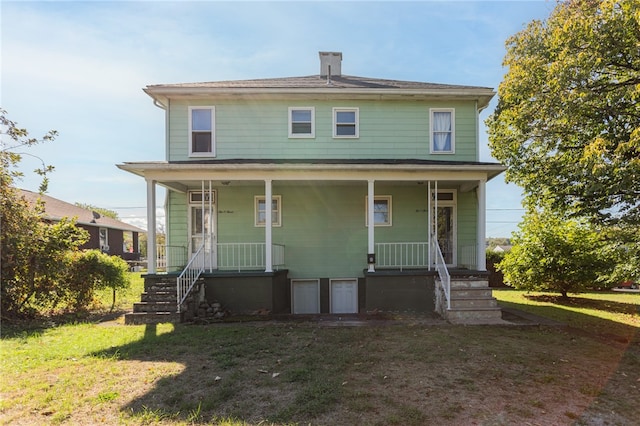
(477, 132)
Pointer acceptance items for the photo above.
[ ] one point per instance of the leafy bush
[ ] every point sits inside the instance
(554, 254)
(495, 256)
(34, 263)
(92, 270)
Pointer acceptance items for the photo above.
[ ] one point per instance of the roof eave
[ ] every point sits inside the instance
(163, 93)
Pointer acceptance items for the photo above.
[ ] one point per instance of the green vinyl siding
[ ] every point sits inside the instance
(323, 225)
(390, 129)
(467, 228)
(177, 219)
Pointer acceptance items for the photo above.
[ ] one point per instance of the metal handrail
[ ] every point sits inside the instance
(187, 279)
(443, 272)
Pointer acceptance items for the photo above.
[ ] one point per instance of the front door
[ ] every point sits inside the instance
(344, 296)
(447, 243)
(445, 220)
(202, 229)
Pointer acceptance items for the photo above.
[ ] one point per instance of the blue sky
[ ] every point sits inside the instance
(79, 67)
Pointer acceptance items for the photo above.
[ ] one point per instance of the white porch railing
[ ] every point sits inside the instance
(443, 272)
(402, 255)
(190, 275)
(248, 256)
(170, 258)
(467, 254)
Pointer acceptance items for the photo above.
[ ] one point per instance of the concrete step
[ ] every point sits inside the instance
(474, 292)
(151, 317)
(475, 316)
(469, 283)
(473, 303)
(163, 286)
(155, 307)
(158, 296)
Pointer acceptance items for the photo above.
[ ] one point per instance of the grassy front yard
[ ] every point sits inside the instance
(402, 372)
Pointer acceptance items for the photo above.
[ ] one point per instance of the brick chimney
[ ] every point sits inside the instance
(330, 64)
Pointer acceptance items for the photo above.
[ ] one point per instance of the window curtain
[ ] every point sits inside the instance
(442, 131)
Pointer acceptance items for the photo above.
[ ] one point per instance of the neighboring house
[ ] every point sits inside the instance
(109, 235)
(321, 194)
(502, 248)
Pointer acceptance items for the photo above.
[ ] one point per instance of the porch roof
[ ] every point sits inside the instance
(177, 174)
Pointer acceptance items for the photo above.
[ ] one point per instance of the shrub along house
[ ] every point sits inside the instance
(323, 194)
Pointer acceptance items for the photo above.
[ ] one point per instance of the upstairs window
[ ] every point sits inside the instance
(202, 131)
(301, 122)
(442, 131)
(261, 214)
(345, 123)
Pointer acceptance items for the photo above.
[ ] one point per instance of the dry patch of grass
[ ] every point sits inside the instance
(303, 372)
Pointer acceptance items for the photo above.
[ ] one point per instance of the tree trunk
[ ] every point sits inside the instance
(113, 300)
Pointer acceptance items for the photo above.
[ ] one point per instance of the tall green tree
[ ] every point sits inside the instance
(567, 123)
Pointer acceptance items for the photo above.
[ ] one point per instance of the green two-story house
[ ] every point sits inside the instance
(320, 194)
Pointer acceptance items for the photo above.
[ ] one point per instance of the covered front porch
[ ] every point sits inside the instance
(329, 222)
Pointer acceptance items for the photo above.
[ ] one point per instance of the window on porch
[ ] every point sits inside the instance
(381, 210)
(261, 214)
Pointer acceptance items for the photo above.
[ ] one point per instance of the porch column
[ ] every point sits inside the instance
(429, 226)
(268, 211)
(482, 204)
(371, 247)
(151, 226)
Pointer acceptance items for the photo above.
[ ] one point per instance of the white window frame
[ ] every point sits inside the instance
(336, 110)
(276, 215)
(312, 134)
(388, 199)
(211, 153)
(432, 141)
(103, 239)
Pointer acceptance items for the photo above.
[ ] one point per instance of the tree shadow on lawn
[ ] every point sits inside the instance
(236, 371)
(227, 371)
(615, 388)
(38, 324)
(587, 303)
